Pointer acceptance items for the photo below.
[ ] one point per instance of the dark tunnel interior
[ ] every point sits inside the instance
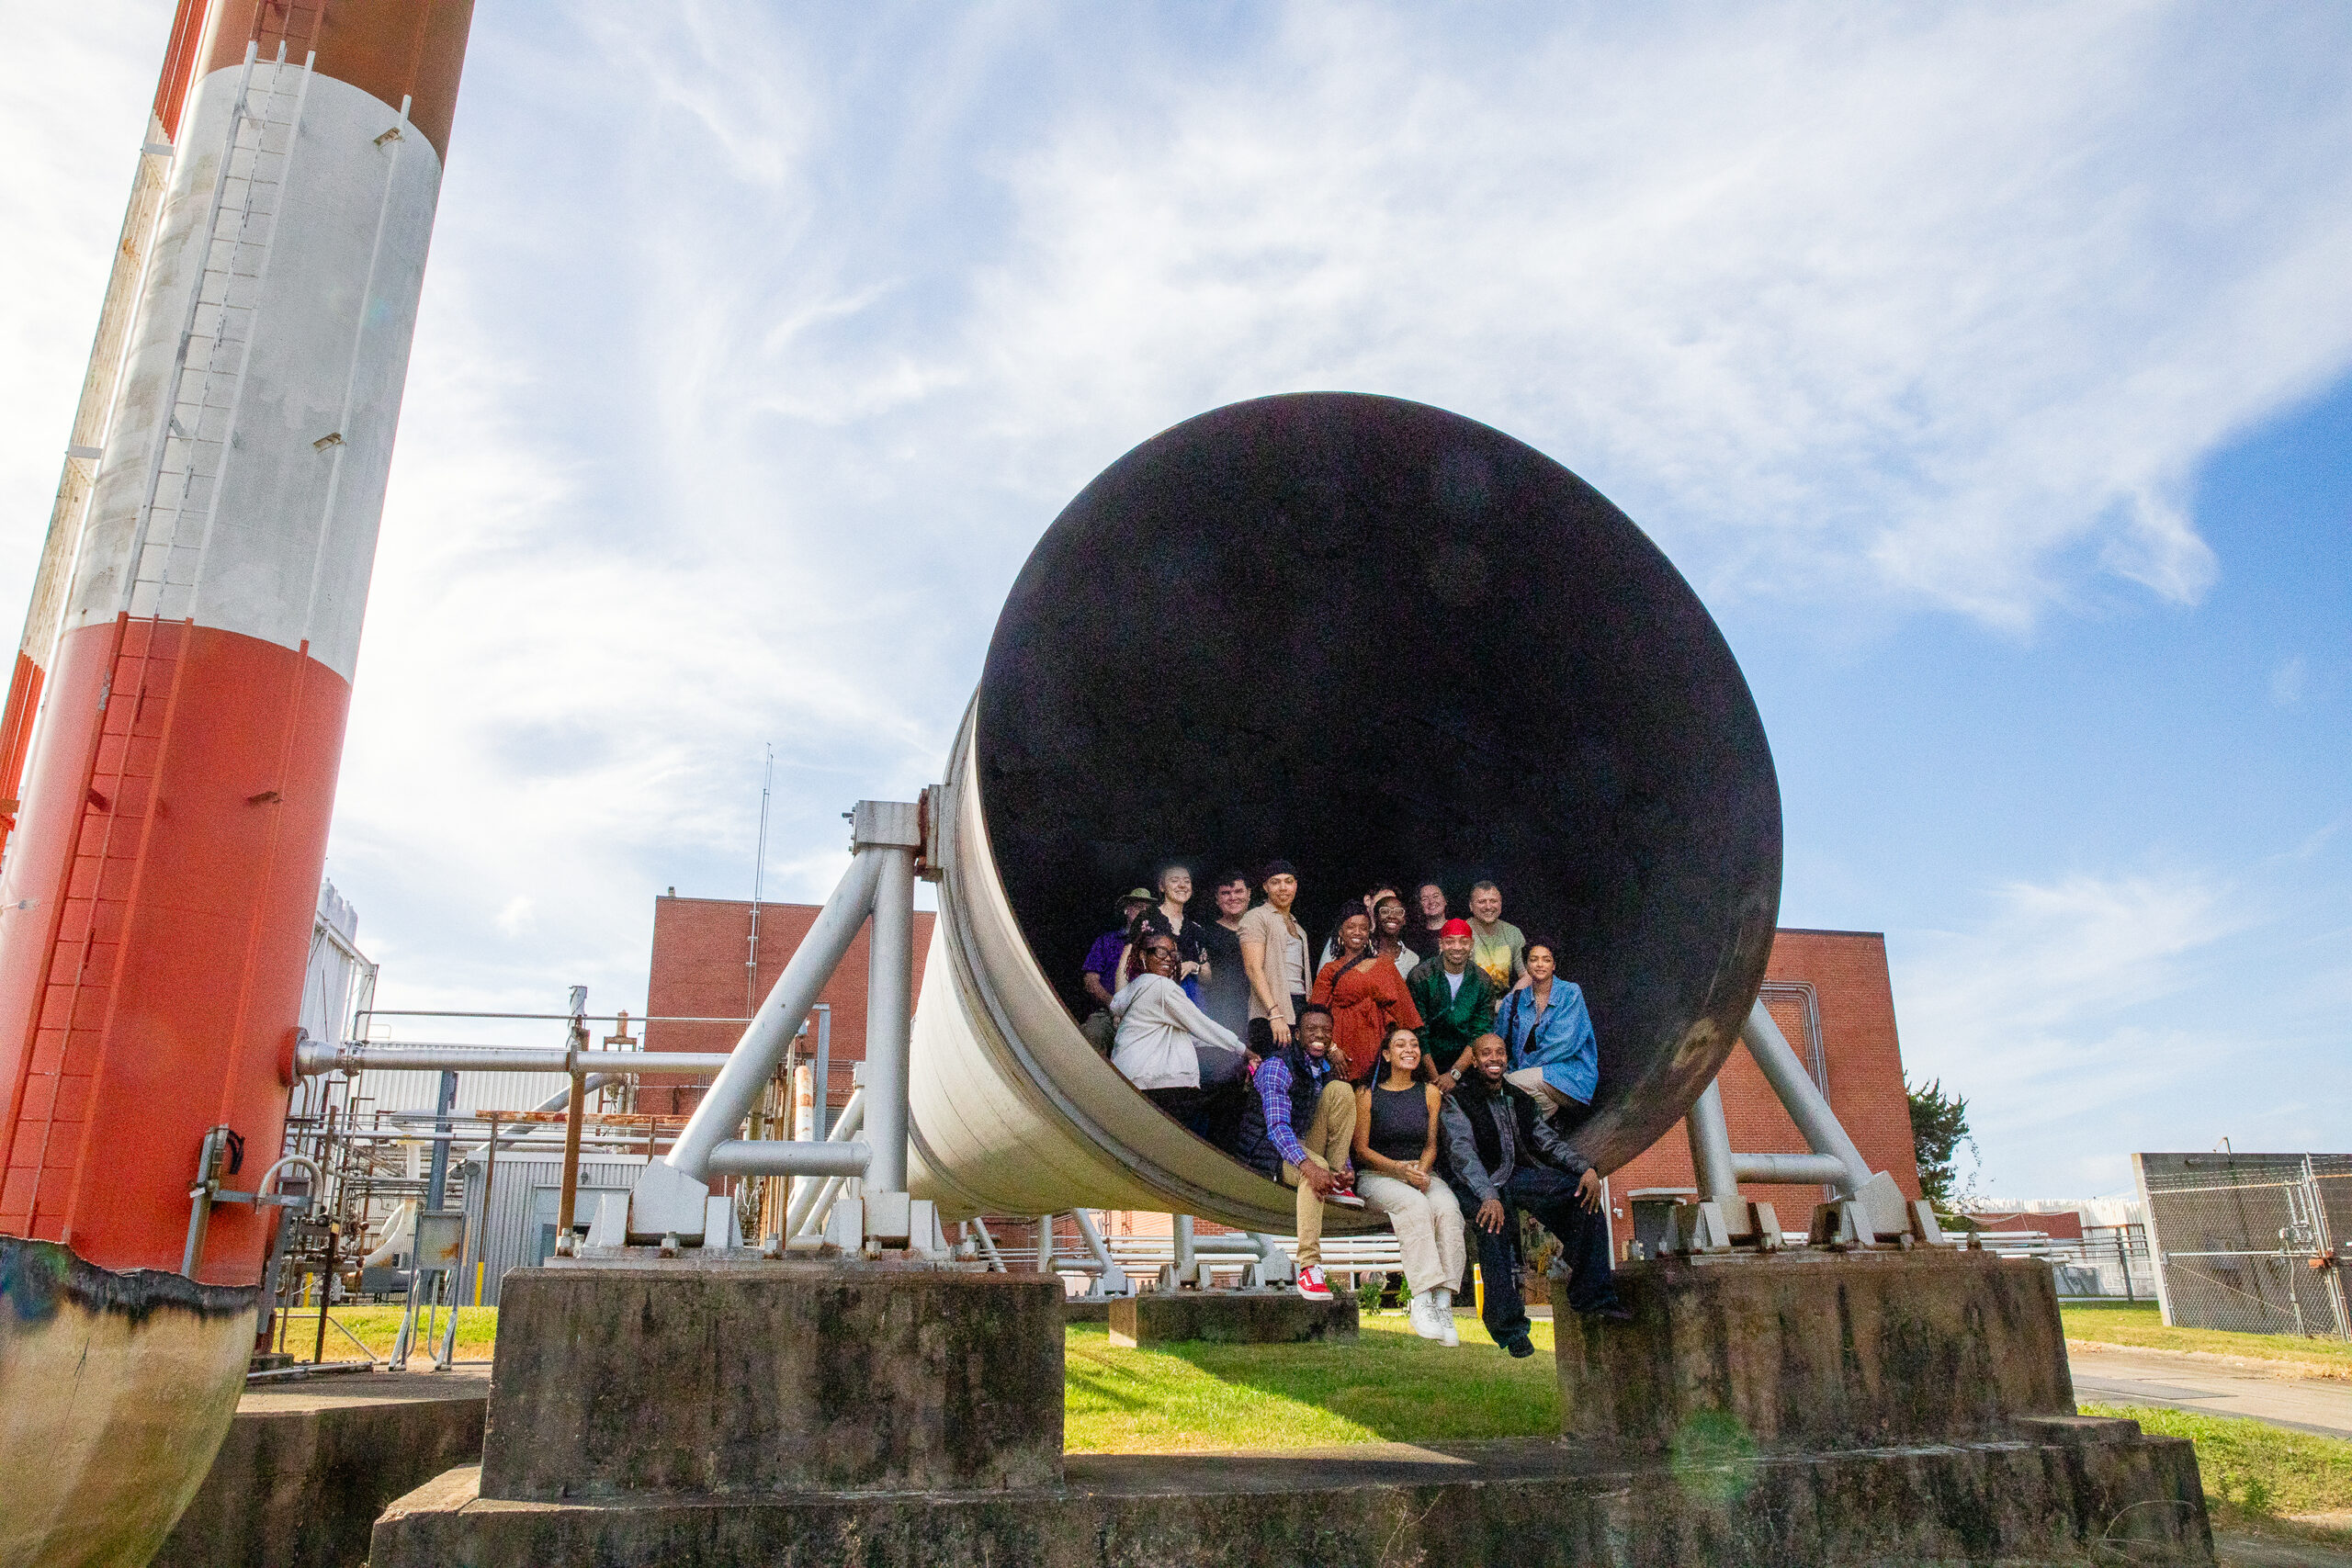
(1384, 641)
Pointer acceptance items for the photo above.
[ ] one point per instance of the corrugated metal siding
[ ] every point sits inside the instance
(403, 1090)
(509, 1239)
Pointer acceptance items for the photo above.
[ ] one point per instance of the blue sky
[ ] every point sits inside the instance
(1988, 371)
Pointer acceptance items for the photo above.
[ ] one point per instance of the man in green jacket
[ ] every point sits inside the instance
(1456, 1002)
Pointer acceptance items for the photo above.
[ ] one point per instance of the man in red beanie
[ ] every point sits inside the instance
(1456, 1002)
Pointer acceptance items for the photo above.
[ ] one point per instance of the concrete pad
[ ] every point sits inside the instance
(1815, 1350)
(661, 1378)
(2322, 1405)
(1230, 1317)
(2102, 1494)
(309, 1463)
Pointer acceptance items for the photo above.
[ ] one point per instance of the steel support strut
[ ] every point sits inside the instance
(1867, 1205)
(891, 833)
(753, 1061)
(673, 1203)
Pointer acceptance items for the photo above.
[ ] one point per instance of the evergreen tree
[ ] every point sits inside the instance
(1938, 1127)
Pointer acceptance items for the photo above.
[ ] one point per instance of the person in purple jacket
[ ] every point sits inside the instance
(1102, 976)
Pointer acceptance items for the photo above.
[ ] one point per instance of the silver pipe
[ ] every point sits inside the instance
(988, 1243)
(269, 1176)
(1045, 1244)
(1093, 1239)
(1803, 1099)
(814, 1199)
(1185, 1245)
(755, 1059)
(199, 1216)
(355, 1057)
(785, 1156)
(889, 1014)
(1790, 1170)
(555, 1101)
(1710, 1156)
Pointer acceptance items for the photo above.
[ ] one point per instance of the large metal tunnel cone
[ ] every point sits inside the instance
(1381, 641)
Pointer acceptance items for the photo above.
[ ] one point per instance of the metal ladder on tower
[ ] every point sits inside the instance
(175, 512)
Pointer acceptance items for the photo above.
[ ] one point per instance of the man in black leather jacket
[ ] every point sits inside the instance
(1503, 1157)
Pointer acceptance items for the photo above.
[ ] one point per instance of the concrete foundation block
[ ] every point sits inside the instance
(309, 1463)
(627, 1379)
(1814, 1351)
(2101, 1498)
(1229, 1317)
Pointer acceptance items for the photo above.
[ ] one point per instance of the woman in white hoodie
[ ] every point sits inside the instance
(1184, 1061)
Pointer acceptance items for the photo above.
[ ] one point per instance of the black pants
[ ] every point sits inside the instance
(1551, 1196)
(1261, 1030)
(1214, 1110)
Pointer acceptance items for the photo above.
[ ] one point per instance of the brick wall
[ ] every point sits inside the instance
(700, 950)
(1839, 978)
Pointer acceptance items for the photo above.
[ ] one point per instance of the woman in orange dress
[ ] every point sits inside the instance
(1365, 994)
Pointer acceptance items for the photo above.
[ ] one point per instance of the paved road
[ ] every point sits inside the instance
(2137, 1377)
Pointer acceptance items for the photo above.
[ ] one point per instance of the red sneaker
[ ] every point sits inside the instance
(1312, 1285)
(1345, 1195)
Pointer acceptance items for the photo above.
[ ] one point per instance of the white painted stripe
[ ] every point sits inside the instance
(266, 458)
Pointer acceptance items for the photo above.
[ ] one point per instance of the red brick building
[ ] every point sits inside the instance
(1829, 991)
(1831, 995)
(703, 968)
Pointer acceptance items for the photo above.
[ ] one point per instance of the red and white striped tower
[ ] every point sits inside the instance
(157, 891)
(85, 445)
(156, 905)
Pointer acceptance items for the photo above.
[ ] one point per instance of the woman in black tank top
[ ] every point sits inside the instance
(1397, 1107)
(1395, 1154)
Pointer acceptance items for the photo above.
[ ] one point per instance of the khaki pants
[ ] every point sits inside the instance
(1328, 1139)
(1547, 1099)
(1428, 1227)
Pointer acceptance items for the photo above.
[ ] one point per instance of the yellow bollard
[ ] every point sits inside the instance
(480, 1266)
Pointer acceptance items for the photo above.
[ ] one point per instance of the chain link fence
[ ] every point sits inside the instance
(2260, 1244)
(2106, 1262)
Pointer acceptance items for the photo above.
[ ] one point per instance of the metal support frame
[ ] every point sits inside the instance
(436, 1179)
(1110, 1279)
(672, 1198)
(1865, 1206)
(978, 1227)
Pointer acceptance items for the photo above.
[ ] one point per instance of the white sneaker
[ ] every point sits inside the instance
(1423, 1315)
(1312, 1285)
(1451, 1335)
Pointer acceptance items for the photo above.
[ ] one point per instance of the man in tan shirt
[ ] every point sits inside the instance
(1274, 952)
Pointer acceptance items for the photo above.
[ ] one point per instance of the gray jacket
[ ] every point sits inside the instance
(1527, 1138)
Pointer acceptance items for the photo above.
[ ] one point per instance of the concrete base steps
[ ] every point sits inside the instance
(2080, 1493)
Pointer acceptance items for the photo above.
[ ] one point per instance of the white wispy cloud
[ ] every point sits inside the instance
(79, 121)
(759, 346)
(2092, 1015)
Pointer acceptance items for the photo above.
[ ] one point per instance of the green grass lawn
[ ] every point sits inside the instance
(377, 1326)
(2142, 1327)
(2258, 1475)
(1390, 1386)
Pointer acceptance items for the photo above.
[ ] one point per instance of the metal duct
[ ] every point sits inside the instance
(1379, 640)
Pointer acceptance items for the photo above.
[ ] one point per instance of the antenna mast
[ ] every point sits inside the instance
(759, 865)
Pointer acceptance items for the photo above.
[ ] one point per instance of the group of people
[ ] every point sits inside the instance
(1437, 1089)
